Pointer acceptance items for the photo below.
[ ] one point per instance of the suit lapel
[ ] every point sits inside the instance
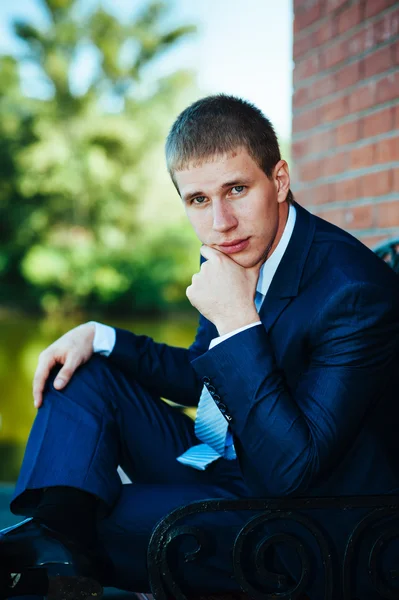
(286, 281)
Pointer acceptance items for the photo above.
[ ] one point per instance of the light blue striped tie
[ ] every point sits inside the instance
(211, 428)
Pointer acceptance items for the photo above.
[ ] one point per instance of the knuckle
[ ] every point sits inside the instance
(43, 355)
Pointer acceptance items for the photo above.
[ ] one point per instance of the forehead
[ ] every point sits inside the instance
(215, 171)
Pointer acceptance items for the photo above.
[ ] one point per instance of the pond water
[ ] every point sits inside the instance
(21, 341)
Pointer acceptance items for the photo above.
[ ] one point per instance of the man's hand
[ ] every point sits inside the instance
(223, 291)
(71, 350)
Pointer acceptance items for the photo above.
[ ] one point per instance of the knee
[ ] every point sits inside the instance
(90, 380)
(94, 368)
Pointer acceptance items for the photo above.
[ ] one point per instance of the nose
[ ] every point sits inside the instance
(223, 217)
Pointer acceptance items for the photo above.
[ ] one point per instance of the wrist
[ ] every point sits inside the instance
(90, 327)
(227, 325)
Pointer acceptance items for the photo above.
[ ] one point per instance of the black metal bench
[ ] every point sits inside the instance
(364, 545)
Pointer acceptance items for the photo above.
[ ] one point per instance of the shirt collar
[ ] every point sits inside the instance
(269, 267)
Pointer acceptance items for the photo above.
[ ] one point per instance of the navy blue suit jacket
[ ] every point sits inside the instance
(313, 394)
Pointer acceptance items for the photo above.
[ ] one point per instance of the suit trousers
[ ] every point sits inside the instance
(103, 418)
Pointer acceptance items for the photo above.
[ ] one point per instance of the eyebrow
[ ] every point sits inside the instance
(241, 181)
(227, 184)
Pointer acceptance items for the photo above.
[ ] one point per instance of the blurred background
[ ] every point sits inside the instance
(90, 225)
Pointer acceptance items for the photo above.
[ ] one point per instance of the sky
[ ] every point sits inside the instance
(243, 47)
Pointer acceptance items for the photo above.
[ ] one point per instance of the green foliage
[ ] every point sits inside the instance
(88, 218)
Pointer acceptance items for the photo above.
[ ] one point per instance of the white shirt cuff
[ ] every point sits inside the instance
(104, 338)
(226, 336)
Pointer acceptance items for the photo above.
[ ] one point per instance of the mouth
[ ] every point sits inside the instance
(234, 246)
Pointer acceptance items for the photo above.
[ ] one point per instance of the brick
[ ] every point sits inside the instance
(388, 88)
(306, 17)
(395, 186)
(306, 120)
(387, 150)
(302, 197)
(335, 216)
(317, 195)
(376, 6)
(303, 45)
(347, 133)
(387, 214)
(395, 53)
(350, 17)
(378, 62)
(300, 149)
(310, 171)
(387, 28)
(326, 31)
(359, 217)
(336, 109)
(301, 97)
(347, 76)
(333, 165)
(323, 194)
(376, 184)
(363, 97)
(347, 189)
(320, 142)
(334, 55)
(305, 68)
(356, 44)
(361, 157)
(334, 5)
(377, 123)
(322, 87)
(369, 36)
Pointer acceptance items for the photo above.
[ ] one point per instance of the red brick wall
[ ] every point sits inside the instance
(345, 143)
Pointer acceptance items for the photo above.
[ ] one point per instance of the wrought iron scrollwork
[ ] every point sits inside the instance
(390, 253)
(339, 575)
(297, 590)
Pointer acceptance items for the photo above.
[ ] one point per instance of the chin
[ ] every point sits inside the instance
(247, 262)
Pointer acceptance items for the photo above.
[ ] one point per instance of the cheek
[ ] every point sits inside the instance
(199, 224)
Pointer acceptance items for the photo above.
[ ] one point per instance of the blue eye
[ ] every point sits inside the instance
(239, 188)
(198, 200)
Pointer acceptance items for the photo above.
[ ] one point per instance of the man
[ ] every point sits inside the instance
(294, 366)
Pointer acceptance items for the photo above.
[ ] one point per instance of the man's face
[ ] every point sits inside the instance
(234, 207)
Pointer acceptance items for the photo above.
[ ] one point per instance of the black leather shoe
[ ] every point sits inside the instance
(73, 573)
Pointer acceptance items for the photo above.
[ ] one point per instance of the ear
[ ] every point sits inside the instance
(281, 175)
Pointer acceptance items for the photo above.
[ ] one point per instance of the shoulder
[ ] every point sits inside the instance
(339, 260)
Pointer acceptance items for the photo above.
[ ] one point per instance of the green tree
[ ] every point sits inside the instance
(86, 210)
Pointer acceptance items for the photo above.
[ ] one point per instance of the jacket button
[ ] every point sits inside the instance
(211, 389)
(222, 407)
(216, 397)
(206, 380)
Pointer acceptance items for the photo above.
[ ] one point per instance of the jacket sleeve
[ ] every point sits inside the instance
(164, 370)
(286, 438)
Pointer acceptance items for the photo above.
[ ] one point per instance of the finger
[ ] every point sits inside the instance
(189, 293)
(65, 374)
(208, 252)
(40, 378)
